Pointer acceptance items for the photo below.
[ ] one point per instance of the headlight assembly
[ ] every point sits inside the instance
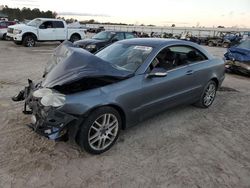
(49, 97)
(54, 99)
(17, 31)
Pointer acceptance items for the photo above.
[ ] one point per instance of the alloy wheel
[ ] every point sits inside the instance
(209, 94)
(103, 131)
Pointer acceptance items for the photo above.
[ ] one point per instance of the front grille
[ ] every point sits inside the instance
(10, 30)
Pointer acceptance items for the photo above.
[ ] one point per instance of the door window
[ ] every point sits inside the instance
(119, 36)
(176, 56)
(58, 24)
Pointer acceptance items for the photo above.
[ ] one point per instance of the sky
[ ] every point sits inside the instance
(208, 13)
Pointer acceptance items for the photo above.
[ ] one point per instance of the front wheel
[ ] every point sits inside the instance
(208, 95)
(100, 130)
(29, 41)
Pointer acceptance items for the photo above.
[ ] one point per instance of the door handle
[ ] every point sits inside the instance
(189, 72)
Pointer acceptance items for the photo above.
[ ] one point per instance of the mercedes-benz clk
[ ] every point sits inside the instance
(91, 97)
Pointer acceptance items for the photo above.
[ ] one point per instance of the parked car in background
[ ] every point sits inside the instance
(90, 98)
(96, 30)
(238, 58)
(3, 28)
(44, 29)
(225, 40)
(103, 39)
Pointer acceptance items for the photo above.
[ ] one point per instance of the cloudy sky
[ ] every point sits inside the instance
(158, 12)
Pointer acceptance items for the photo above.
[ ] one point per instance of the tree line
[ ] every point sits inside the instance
(27, 13)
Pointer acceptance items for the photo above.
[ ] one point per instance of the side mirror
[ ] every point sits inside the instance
(156, 74)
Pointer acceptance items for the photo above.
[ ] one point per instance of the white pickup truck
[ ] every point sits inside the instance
(44, 29)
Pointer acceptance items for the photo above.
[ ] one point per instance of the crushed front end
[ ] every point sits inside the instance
(44, 106)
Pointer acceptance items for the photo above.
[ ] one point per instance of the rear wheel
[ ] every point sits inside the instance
(100, 130)
(29, 41)
(208, 95)
(74, 38)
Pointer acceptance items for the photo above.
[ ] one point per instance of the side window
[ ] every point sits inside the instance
(119, 36)
(129, 35)
(188, 54)
(46, 25)
(58, 24)
(176, 56)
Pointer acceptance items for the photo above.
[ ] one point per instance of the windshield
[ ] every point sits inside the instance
(35, 23)
(104, 35)
(125, 56)
(245, 44)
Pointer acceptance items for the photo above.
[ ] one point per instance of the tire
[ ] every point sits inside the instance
(100, 130)
(74, 38)
(29, 41)
(208, 95)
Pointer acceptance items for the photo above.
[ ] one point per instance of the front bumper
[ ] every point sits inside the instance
(47, 121)
(15, 37)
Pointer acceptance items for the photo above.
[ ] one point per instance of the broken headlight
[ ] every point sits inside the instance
(49, 97)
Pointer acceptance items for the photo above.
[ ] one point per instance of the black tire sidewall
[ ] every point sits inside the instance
(25, 40)
(84, 129)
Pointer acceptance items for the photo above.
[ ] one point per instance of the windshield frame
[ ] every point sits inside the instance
(35, 22)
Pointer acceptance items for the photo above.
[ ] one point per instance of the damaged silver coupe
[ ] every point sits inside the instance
(91, 97)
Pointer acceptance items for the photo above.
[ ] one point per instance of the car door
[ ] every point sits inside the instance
(46, 31)
(162, 92)
(60, 30)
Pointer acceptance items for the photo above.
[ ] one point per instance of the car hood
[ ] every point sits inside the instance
(21, 26)
(69, 64)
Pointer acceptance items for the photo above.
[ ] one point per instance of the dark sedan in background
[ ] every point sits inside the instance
(90, 98)
(103, 39)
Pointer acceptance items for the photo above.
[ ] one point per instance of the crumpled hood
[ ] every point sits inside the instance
(69, 64)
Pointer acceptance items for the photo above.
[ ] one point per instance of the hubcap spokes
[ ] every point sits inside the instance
(209, 94)
(103, 131)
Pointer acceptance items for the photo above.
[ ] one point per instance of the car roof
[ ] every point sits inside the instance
(154, 42)
(49, 19)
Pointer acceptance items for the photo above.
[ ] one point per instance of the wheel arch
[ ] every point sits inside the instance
(77, 34)
(216, 81)
(29, 33)
(116, 107)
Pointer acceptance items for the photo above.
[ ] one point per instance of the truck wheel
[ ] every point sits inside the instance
(74, 38)
(29, 41)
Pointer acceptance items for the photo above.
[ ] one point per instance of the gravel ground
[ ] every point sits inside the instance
(182, 147)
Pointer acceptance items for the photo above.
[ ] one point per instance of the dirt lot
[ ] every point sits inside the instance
(183, 147)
